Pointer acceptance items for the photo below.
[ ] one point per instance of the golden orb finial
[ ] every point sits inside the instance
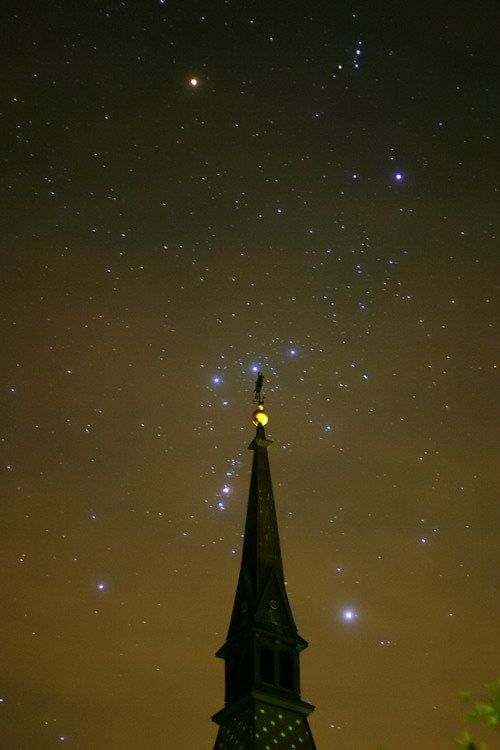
(259, 417)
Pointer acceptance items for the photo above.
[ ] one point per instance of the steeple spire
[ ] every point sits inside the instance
(262, 649)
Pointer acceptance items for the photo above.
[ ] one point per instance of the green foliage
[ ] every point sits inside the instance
(466, 743)
(487, 713)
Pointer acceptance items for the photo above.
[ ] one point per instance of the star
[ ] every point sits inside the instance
(349, 615)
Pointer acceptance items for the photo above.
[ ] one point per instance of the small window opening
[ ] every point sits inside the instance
(267, 665)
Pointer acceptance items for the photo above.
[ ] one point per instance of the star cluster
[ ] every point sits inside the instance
(195, 192)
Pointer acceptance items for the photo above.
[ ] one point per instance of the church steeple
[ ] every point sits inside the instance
(263, 708)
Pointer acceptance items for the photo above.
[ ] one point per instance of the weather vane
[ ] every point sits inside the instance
(258, 389)
(259, 417)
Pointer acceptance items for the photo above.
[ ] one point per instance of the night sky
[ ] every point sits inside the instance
(192, 191)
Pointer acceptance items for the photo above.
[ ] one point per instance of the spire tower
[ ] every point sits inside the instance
(263, 708)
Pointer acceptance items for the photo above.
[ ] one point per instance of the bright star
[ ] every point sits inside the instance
(348, 614)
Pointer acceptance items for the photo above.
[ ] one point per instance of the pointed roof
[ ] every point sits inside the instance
(261, 598)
